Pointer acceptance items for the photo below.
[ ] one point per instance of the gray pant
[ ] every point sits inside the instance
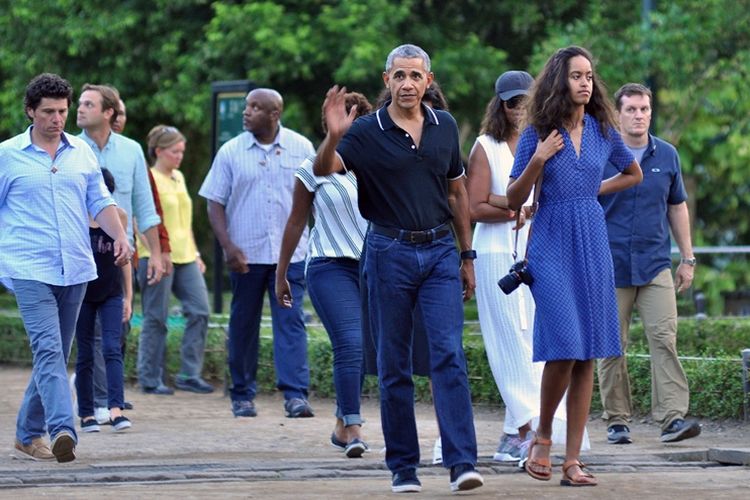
(189, 287)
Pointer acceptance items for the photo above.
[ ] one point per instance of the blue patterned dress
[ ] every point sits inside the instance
(569, 255)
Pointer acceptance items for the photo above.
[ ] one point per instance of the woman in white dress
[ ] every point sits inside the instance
(507, 321)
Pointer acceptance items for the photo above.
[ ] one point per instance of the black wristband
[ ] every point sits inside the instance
(469, 254)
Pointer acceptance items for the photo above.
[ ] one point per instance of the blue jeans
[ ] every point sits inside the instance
(49, 315)
(110, 316)
(289, 335)
(333, 285)
(188, 285)
(401, 276)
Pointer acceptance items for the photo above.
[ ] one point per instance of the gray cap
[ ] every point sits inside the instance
(513, 83)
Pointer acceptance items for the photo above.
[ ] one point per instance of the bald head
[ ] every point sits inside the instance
(262, 114)
(270, 96)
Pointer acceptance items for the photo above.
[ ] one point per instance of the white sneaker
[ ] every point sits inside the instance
(437, 452)
(101, 415)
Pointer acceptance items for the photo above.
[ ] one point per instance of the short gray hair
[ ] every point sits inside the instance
(407, 51)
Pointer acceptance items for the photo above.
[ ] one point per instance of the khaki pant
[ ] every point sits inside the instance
(670, 398)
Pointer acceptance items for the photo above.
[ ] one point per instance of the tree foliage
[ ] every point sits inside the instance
(163, 55)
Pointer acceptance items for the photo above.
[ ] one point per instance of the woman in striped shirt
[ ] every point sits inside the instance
(335, 247)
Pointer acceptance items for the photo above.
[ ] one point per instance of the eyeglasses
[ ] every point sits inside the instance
(516, 101)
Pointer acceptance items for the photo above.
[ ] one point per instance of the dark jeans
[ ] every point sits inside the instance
(110, 316)
(333, 285)
(402, 275)
(289, 335)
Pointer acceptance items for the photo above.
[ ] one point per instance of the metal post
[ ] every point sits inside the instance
(746, 381)
(227, 103)
(647, 6)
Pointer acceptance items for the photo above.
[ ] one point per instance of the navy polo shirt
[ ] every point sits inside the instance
(401, 185)
(637, 220)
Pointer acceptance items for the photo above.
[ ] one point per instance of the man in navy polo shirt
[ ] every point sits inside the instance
(638, 222)
(411, 187)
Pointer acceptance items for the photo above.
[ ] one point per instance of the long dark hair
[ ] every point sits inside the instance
(495, 123)
(550, 104)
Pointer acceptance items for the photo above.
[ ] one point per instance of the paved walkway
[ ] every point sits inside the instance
(190, 446)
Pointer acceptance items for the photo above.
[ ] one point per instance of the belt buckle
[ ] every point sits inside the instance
(419, 236)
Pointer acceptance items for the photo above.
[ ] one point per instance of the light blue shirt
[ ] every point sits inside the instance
(255, 186)
(124, 158)
(44, 208)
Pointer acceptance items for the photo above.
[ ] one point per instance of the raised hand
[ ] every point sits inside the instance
(337, 119)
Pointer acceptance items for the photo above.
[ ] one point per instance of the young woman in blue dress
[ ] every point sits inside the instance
(569, 139)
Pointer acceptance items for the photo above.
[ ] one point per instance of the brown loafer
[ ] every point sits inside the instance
(37, 451)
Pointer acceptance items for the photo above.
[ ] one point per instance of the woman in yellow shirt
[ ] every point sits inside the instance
(166, 148)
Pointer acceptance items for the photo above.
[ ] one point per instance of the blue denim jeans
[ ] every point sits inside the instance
(401, 275)
(188, 285)
(49, 315)
(333, 285)
(110, 316)
(289, 334)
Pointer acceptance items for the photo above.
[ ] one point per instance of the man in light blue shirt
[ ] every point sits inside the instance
(98, 107)
(249, 191)
(50, 183)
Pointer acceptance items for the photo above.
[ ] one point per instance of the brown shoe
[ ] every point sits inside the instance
(37, 451)
(64, 447)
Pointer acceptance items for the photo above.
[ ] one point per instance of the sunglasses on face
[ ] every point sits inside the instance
(515, 101)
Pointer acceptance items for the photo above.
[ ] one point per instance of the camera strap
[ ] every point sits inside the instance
(532, 212)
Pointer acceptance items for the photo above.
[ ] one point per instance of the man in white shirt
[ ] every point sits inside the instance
(249, 192)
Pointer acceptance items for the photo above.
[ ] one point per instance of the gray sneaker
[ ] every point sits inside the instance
(509, 449)
(298, 408)
(680, 429)
(618, 434)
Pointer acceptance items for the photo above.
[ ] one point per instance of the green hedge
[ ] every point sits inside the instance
(715, 385)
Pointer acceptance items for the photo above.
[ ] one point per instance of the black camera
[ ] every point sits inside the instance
(519, 273)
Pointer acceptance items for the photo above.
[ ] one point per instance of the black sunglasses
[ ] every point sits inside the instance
(515, 101)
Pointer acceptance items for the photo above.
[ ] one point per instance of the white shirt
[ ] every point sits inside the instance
(255, 187)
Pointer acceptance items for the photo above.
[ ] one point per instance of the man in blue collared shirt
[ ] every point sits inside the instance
(410, 177)
(638, 223)
(249, 192)
(50, 183)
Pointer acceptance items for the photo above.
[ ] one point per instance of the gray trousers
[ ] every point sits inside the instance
(189, 287)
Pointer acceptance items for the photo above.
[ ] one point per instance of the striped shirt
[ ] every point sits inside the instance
(123, 157)
(339, 229)
(44, 209)
(255, 187)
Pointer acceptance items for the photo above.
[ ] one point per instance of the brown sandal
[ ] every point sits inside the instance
(581, 478)
(543, 466)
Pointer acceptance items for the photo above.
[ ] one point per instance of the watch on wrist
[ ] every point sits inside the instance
(689, 261)
(469, 254)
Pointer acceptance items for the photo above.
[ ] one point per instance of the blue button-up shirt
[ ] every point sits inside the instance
(637, 220)
(123, 157)
(44, 208)
(255, 186)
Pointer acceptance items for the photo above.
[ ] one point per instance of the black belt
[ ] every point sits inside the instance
(413, 236)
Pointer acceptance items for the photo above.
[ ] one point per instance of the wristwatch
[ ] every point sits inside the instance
(469, 254)
(690, 262)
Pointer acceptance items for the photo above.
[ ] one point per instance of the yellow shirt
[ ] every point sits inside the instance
(178, 217)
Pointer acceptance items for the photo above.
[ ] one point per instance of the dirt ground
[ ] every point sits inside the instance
(190, 446)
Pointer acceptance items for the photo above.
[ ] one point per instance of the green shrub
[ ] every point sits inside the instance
(715, 385)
